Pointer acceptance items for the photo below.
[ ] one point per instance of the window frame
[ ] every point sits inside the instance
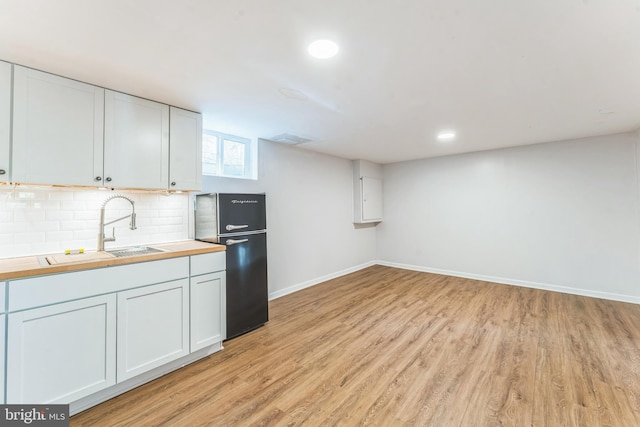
(219, 166)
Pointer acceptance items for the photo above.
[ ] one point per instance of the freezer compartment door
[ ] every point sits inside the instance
(240, 213)
(247, 293)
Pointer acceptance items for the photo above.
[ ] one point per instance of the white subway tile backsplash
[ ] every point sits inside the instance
(86, 235)
(172, 201)
(38, 220)
(45, 226)
(75, 225)
(48, 247)
(87, 214)
(58, 215)
(166, 237)
(28, 195)
(14, 250)
(13, 227)
(73, 205)
(28, 215)
(59, 236)
(172, 212)
(92, 196)
(60, 194)
(31, 238)
(169, 220)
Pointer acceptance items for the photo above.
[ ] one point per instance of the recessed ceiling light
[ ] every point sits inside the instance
(446, 136)
(323, 49)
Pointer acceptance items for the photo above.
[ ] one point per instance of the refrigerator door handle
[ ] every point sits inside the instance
(235, 227)
(230, 242)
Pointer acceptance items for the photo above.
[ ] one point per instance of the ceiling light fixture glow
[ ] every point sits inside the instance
(323, 49)
(446, 136)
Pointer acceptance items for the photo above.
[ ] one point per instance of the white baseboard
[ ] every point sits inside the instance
(308, 283)
(523, 283)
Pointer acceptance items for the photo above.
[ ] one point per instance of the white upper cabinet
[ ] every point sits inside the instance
(57, 129)
(185, 152)
(66, 132)
(5, 121)
(136, 133)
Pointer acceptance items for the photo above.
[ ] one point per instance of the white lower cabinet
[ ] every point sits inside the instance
(153, 327)
(62, 352)
(83, 337)
(208, 324)
(2, 337)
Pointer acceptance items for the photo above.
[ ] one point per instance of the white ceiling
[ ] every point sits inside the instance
(499, 72)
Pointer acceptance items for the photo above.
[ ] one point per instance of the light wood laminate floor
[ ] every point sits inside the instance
(386, 347)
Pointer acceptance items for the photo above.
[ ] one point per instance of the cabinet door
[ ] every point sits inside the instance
(60, 353)
(208, 303)
(2, 348)
(153, 327)
(185, 150)
(136, 152)
(5, 121)
(57, 129)
(371, 199)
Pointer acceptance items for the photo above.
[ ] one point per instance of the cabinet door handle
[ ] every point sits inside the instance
(2, 171)
(235, 227)
(173, 183)
(230, 242)
(98, 178)
(108, 179)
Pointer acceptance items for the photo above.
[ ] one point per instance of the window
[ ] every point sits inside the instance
(227, 155)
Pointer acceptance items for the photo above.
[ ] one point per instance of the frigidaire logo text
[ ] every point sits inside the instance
(242, 202)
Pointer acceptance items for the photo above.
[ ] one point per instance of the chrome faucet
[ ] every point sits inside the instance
(132, 224)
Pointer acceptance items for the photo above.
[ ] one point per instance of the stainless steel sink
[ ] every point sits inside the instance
(133, 251)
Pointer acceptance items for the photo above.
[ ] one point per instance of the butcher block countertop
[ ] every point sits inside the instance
(15, 268)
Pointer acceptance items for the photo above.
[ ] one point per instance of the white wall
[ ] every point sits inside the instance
(39, 220)
(311, 236)
(561, 216)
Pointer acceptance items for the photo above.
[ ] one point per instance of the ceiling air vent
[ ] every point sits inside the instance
(289, 139)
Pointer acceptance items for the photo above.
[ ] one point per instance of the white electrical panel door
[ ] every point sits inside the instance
(371, 199)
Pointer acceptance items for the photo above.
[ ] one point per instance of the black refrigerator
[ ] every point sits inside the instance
(238, 221)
